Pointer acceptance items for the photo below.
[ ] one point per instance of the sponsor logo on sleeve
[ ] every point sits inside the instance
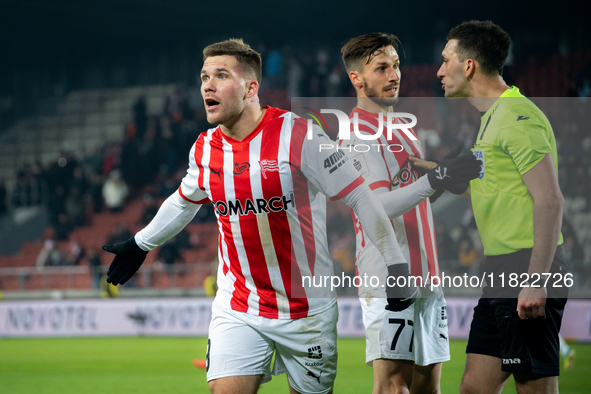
(334, 161)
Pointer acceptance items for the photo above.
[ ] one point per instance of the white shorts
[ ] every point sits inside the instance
(305, 349)
(418, 333)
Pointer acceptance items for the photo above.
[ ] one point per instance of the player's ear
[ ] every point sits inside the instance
(469, 68)
(355, 78)
(252, 87)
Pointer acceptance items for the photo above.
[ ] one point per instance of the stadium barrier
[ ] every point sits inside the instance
(191, 316)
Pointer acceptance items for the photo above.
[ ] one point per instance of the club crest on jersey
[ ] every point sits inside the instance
(479, 153)
(241, 168)
(255, 206)
(268, 165)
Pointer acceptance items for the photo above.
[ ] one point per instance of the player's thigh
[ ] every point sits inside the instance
(236, 347)
(483, 374)
(294, 391)
(431, 338)
(528, 383)
(236, 384)
(306, 351)
(426, 379)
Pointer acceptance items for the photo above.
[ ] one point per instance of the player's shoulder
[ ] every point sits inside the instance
(278, 116)
(366, 119)
(278, 112)
(209, 134)
(299, 125)
(520, 116)
(516, 110)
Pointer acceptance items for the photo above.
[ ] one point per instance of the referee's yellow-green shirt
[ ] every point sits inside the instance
(514, 136)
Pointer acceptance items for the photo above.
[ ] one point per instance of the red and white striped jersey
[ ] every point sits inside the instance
(390, 168)
(268, 192)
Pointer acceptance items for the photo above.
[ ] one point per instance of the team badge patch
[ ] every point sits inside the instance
(479, 153)
(268, 166)
(361, 165)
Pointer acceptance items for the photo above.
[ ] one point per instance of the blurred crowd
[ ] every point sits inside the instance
(149, 162)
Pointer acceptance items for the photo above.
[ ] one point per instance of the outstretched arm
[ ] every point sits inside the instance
(399, 201)
(174, 214)
(375, 223)
(461, 188)
(379, 230)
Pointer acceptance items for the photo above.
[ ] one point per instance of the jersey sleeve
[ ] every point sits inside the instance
(526, 143)
(326, 167)
(172, 216)
(190, 189)
(371, 164)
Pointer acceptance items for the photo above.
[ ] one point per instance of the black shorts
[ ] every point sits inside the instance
(522, 345)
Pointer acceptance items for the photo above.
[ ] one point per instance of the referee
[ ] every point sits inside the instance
(518, 210)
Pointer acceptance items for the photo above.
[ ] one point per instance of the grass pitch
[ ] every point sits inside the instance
(163, 365)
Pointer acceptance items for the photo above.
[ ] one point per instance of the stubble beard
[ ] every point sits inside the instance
(372, 94)
(225, 114)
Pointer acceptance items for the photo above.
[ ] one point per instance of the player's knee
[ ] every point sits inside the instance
(428, 388)
(395, 385)
(426, 379)
(468, 386)
(399, 389)
(465, 389)
(528, 383)
(215, 387)
(235, 384)
(391, 390)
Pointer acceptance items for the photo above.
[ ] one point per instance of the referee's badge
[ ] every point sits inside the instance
(479, 153)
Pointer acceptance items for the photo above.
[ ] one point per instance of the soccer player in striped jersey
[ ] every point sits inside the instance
(405, 348)
(268, 183)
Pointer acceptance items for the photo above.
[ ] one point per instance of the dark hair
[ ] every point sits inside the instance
(484, 42)
(245, 55)
(365, 48)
